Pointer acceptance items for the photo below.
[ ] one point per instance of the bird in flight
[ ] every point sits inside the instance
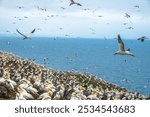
(137, 6)
(127, 15)
(62, 8)
(26, 36)
(130, 27)
(122, 50)
(73, 2)
(142, 38)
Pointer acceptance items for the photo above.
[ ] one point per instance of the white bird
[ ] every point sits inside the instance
(29, 88)
(23, 94)
(46, 96)
(122, 50)
(74, 96)
(10, 83)
(73, 2)
(26, 36)
(93, 96)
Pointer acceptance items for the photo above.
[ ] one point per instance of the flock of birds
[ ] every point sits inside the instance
(22, 79)
(121, 50)
(72, 2)
(36, 82)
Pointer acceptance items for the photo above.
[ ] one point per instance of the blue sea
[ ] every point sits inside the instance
(93, 56)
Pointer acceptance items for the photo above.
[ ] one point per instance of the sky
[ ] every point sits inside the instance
(94, 19)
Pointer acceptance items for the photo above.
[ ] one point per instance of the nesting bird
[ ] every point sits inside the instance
(122, 50)
(1, 72)
(8, 82)
(24, 80)
(46, 96)
(93, 96)
(23, 95)
(29, 88)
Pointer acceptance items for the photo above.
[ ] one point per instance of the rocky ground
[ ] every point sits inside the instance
(22, 79)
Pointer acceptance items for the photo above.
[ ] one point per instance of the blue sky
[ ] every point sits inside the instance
(94, 19)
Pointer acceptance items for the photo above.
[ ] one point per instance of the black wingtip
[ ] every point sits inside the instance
(33, 30)
(17, 30)
(79, 4)
(128, 49)
(133, 55)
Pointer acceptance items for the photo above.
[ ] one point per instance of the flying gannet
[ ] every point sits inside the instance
(122, 50)
(26, 36)
(142, 38)
(73, 2)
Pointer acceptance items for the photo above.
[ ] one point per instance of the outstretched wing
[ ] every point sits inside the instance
(33, 31)
(79, 4)
(139, 39)
(145, 37)
(72, 1)
(121, 44)
(142, 38)
(128, 49)
(21, 33)
(127, 15)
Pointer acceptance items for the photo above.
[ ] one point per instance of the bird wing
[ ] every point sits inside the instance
(28, 96)
(127, 15)
(72, 1)
(145, 37)
(21, 33)
(79, 4)
(121, 44)
(33, 31)
(142, 38)
(128, 49)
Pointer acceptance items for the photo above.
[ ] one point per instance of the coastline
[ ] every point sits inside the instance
(24, 79)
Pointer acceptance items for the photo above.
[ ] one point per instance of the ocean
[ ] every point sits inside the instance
(93, 56)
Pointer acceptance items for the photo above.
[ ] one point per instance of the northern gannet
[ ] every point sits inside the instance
(127, 15)
(73, 2)
(142, 38)
(122, 50)
(26, 36)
